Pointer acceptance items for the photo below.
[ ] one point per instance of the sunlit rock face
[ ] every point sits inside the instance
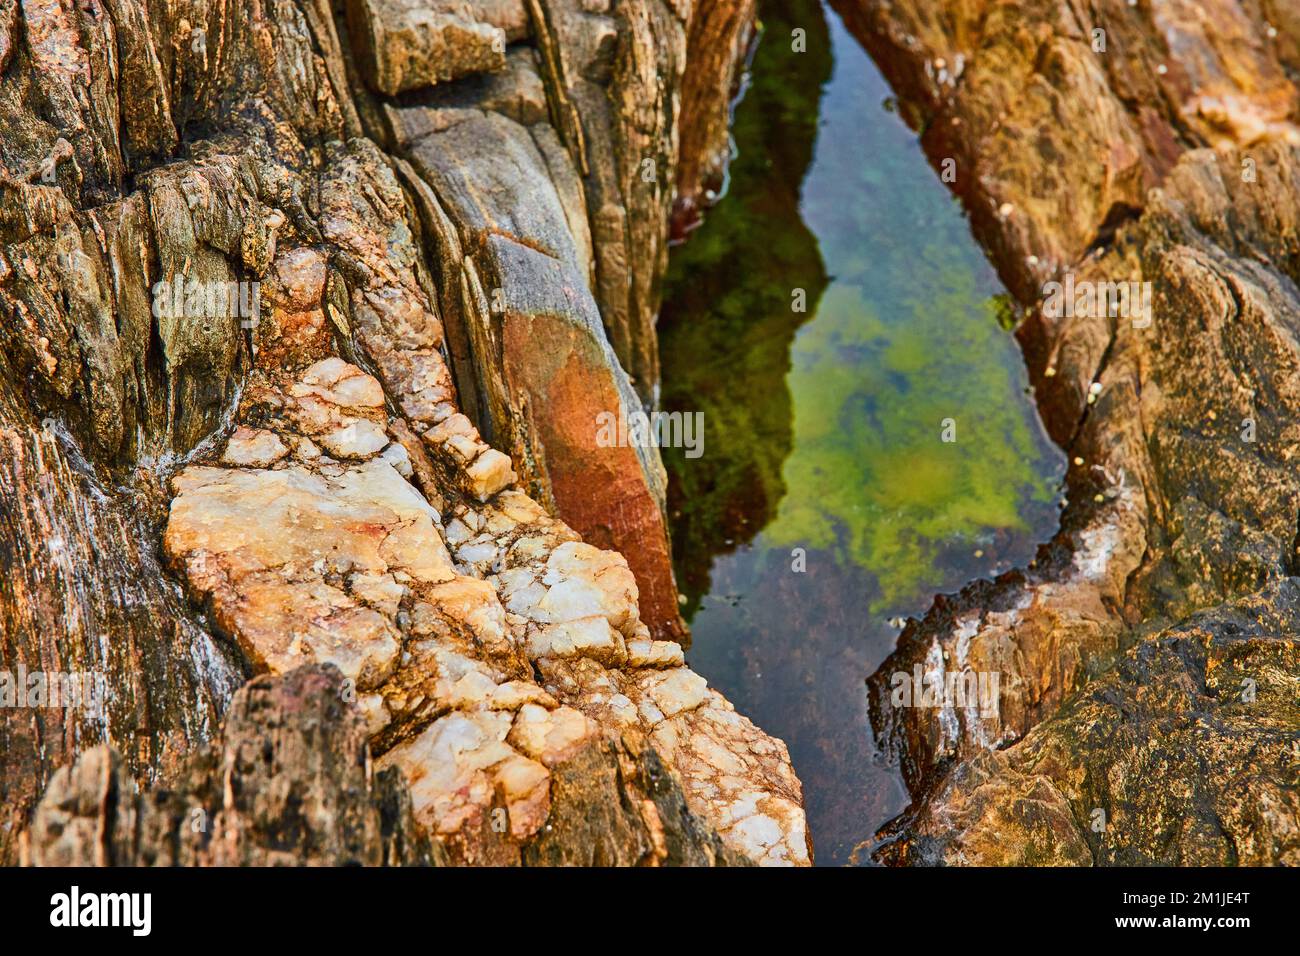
(486, 645)
(366, 465)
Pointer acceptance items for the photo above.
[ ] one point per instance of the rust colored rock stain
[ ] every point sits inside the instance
(599, 492)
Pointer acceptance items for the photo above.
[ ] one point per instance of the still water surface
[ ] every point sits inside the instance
(824, 428)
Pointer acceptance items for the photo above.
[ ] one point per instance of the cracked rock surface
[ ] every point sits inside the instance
(486, 648)
(371, 473)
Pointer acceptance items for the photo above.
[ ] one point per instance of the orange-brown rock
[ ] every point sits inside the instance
(336, 462)
(523, 250)
(717, 42)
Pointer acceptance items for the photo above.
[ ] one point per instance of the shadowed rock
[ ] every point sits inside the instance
(288, 781)
(1181, 495)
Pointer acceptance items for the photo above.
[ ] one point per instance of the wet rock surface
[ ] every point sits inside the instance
(1163, 151)
(377, 453)
(1206, 708)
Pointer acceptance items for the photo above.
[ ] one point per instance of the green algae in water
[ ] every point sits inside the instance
(904, 344)
(906, 349)
(726, 326)
(823, 428)
(885, 373)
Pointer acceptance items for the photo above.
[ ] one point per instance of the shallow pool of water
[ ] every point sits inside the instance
(861, 454)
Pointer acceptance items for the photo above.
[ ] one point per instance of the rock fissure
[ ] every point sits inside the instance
(328, 504)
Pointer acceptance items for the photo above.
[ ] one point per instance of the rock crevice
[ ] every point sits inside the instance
(413, 259)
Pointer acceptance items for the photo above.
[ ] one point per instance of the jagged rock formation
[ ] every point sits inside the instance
(486, 643)
(1164, 759)
(293, 759)
(378, 449)
(1163, 149)
(288, 781)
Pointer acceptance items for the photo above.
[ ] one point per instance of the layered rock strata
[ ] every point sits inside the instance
(365, 455)
(291, 758)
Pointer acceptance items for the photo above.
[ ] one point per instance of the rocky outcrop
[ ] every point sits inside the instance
(1184, 754)
(485, 643)
(340, 353)
(293, 758)
(84, 600)
(515, 255)
(618, 121)
(287, 781)
(718, 40)
(573, 245)
(1100, 145)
